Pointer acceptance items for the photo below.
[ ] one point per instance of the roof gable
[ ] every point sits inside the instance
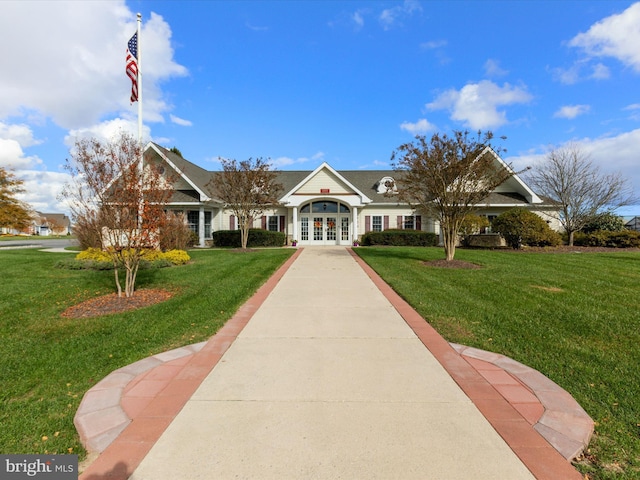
(324, 180)
(514, 183)
(190, 174)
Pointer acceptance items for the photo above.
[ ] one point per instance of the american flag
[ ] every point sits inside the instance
(132, 66)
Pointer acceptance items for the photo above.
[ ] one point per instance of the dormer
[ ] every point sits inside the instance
(386, 185)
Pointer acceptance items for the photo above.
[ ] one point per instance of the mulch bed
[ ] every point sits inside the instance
(109, 304)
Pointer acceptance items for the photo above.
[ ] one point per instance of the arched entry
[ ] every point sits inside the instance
(325, 222)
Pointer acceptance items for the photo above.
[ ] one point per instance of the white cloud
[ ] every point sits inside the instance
(256, 28)
(42, 190)
(600, 72)
(420, 127)
(358, 19)
(611, 153)
(391, 17)
(13, 140)
(72, 71)
(21, 133)
(433, 44)
(493, 69)
(180, 121)
(572, 111)
(281, 162)
(575, 73)
(13, 157)
(107, 131)
(476, 105)
(617, 36)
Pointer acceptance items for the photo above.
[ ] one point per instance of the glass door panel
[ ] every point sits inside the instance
(331, 229)
(344, 229)
(304, 229)
(318, 230)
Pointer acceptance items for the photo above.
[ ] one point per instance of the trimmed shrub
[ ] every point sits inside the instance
(604, 221)
(96, 259)
(413, 238)
(257, 238)
(177, 257)
(94, 254)
(521, 227)
(473, 224)
(604, 238)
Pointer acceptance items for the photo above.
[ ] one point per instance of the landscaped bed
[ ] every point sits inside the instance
(571, 313)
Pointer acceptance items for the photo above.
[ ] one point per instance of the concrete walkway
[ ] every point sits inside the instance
(330, 379)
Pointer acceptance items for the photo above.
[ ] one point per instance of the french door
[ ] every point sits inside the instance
(323, 230)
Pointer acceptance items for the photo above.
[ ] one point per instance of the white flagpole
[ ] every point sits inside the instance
(139, 80)
(141, 163)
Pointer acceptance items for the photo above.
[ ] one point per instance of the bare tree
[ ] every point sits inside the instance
(569, 177)
(247, 188)
(14, 213)
(120, 197)
(447, 176)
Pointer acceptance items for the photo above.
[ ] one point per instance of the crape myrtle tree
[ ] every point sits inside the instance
(14, 213)
(569, 177)
(447, 176)
(120, 197)
(247, 188)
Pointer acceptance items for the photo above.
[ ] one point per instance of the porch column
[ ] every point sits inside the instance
(355, 224)
(295, 224)
(201, 226)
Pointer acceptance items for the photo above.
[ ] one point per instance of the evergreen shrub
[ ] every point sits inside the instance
(521, 227)
(605, 238)
(257, 238)
(413, 238)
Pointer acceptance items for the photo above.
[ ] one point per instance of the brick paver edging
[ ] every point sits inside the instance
(162, 385)
(542, 459)
(562, 421)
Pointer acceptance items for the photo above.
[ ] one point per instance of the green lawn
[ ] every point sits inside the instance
(47, 362)
(574, 317)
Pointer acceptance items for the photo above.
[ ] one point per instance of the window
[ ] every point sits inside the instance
(207, 224)
(376, 223)
(273, 225)
(193, 220)
(324, 207)
(409, 223)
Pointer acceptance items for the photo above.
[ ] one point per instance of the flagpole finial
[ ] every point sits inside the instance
(139, 16)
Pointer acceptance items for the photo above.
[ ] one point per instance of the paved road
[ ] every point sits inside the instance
(37, 242)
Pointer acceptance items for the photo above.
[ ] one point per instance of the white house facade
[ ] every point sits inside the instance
(325, 206)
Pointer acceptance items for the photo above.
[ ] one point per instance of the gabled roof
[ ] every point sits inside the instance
(363, 183)
(324, 166)
(515, 181)
(196, 176)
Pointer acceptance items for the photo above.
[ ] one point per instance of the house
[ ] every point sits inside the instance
(633, 224)
(325, 206)
(46, 224)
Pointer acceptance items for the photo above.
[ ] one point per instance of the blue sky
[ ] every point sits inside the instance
(304, 82)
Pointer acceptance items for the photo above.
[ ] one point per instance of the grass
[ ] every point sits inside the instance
(574, 317)
(49, 362)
